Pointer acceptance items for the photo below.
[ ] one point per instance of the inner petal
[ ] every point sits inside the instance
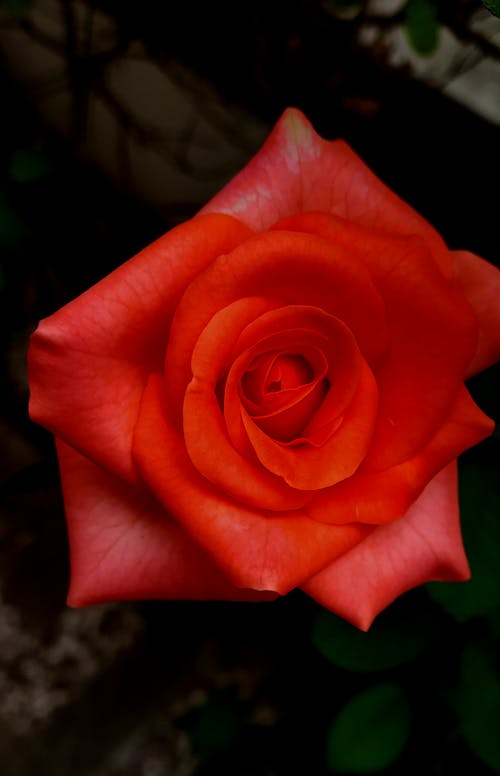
(288, 370)
(275, 378)
(275, 372)
(281, 390)
(296, 374)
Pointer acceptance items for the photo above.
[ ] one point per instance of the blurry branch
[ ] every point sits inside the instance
(173, 147)
(85, 76)
(86, 69)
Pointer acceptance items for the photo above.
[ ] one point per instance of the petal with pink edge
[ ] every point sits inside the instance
(296, 171)
(425, 545)
(88, 362)
(480, 282)
(124, 547)
(256, 548)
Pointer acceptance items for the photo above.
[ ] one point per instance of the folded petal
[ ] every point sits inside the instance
(89, 361)
(382, 497)
(294, 269)
(124, 547)
(259, 549)
(297, 171)
(433, 333)
(205, 434)
(309, 467)
(425, 545)
(480, 282)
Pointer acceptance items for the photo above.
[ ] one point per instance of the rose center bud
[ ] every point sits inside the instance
(281, 391)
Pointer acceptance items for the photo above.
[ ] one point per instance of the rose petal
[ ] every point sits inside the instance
(283, 391)
(308, 467)
(297, 171)
(257, 549)
(291, 267)
(305, 326)
(211, 451)
(124, 547)
(425, 545)
(480, 282)
(382, 497)
(88, 362)
(433, 334)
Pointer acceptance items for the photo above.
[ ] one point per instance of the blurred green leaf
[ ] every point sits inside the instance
(27, 166)
(12, 227)
(17, 7)
(344, 8)
(480, 516)
(493, 6)
(217, 723)
(397, 636)
(421, 26)
(494, 621)
(370, 731)
(479, 705)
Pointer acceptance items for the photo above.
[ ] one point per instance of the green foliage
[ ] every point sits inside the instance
(217, 723)
(18, 8)
(370, 731)
(480, 510)
(28, 166)
(478, 704)
(397, 636)
(12, 228)
(493, 6)
(341, 8)
(421, 26)
(494, 621)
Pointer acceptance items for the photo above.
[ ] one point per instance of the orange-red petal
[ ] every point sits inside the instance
(123, 546)
(259, 549)
(297, 171)
(295, 269)
(88, 362)
(480, 282)
(205, 434)
(433, 334)
(383, 497)
(425, 545)
(310, 467)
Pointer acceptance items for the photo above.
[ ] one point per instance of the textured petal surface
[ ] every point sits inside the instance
(88, 362)
(309, 467)
(258, 549)
(297, 171)
(433, 334)
(123, 546)
(382, 497)
(425, 545)
(480, 282)
(205, 434)
(291, 267)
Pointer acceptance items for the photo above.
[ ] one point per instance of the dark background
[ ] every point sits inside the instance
(167, 688)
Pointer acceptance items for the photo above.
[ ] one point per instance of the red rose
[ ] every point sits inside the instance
(271, 395)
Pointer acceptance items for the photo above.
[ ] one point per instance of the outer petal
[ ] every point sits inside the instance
(257, 549)
(433, 333)
(295, 269)
(123, 546)
(211, 451)
(480, 282)
(383, 497)
(88, 362)
(425, 545)
(297, 171)
(309, 467)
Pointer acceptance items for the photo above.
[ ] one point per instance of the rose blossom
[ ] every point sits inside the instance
(272, 394)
